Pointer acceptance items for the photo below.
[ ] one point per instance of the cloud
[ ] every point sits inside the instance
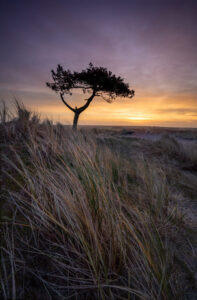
(178, 111)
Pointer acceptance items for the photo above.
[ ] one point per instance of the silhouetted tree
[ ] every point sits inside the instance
(95, 80)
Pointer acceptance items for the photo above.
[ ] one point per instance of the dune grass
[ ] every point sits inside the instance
(81, 221)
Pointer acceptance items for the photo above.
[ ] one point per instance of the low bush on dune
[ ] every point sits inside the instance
(81, 222)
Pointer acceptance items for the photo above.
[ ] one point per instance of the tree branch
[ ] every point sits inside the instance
(89, 100)
(61, 95)
(82, 87)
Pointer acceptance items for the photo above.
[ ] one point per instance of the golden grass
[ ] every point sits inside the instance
(79, 221)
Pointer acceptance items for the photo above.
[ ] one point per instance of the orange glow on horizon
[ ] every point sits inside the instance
(126, 114)
(149, 110)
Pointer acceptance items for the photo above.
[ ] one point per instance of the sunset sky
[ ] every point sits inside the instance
(151, 44)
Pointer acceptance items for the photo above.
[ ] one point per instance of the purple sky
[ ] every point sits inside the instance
(152, 44)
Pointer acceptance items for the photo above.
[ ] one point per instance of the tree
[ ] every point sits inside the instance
(97, 81)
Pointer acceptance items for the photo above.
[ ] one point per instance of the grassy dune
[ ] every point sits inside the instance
(95, 214)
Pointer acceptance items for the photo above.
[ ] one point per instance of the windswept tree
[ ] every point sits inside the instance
(96, 81)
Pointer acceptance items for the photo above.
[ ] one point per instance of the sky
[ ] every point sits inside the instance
(152, 44)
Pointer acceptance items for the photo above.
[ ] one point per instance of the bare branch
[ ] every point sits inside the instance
(61, 95)
(89, 100)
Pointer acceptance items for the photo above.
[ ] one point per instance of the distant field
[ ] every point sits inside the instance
(187, 133)
(102, 213)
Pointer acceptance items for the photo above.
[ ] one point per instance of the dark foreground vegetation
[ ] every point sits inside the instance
(96, 214)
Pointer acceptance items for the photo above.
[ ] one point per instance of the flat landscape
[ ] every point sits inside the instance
(100, 213)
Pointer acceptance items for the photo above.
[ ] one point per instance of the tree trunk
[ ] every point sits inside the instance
(75, 121)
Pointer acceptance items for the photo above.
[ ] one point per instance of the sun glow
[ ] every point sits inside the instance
(139, 118)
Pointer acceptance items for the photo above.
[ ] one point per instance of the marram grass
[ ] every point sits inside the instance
(81, 221)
